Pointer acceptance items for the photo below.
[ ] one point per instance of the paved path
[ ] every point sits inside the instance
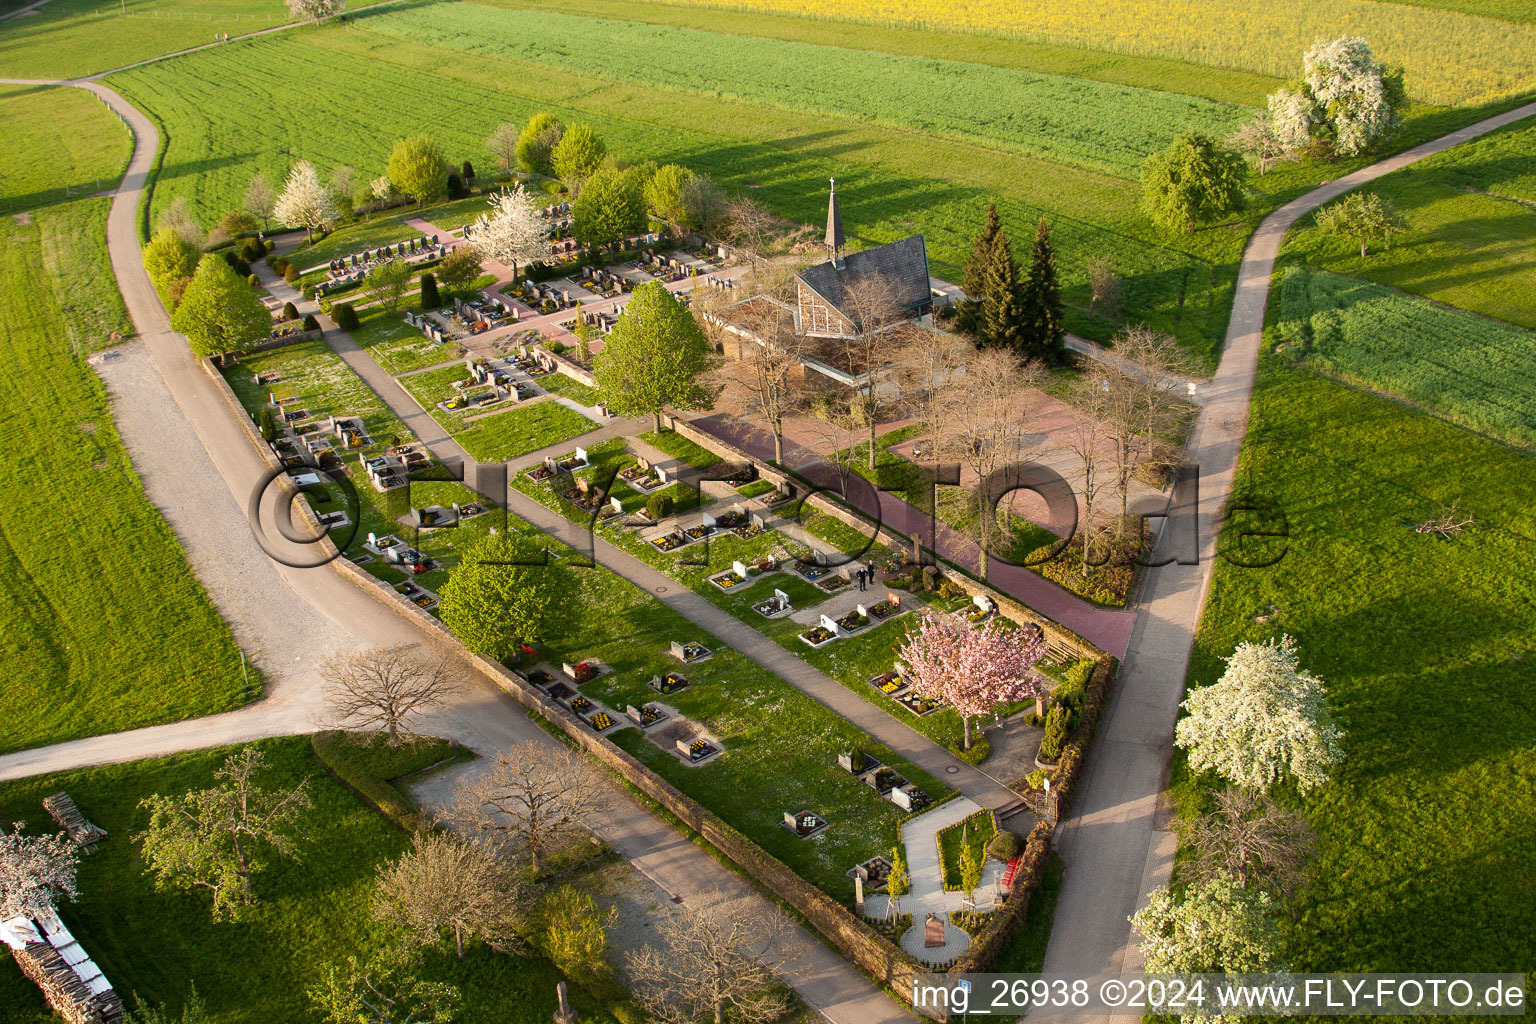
(483, 718)
(1116, 845)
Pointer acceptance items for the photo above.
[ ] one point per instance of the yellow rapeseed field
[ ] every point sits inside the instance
(1450, 58)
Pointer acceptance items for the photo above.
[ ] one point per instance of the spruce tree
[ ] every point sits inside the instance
(992, 282)
(1042, 329)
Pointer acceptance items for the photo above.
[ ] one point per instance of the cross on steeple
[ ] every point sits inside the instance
(835, 238)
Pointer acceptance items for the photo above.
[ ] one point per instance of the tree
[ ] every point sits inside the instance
(577, 156)
(666, 194)
(168, 258)
(1264, 719)
(1090, 396)
(1042, 330)
(1140, 406)
(971, 669)
(219, 312)
(1194, 181)
(1347, 101)
(702, 202)
(994, 310)
(608, 209)
(459, 267)
(972, 860)
(305, 200)
(467, 172)
(749, 227)
(383, 989)
(1261, 139)
(536, 796)
(927, 364)
(417, 168)
(513, 232)
(178, 217)
(495, 600)
(1364, 216)
(258, 199)
(210, 838)
(343, 187)
(655, 357)
(574, 933)
(345, 315)
(387, 283)
(711, 963)
(1103, 286)
(318, 10)
(382, 188)
(1248, 838)
(267, 421)
(386, 687)
(429, 297)
(503, 146)
(981, 427)
(444, 884)
(767, 377)
(867, 352)
(898, 883)
(1215, 927)
(35, 872)
(537, 141)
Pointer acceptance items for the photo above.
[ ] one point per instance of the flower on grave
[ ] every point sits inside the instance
(601, 721)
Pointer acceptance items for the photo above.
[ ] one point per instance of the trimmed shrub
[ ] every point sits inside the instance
(310, 323)
(1006, 846)
(253, 281)
(1056, 726)
(981, 749)
(309, 292)
(268, 424)
(291, 274)
(429, 296)
(468, 173)
(253, 249)
(658, 506)
(290, 311)
(233, 259)
(280, 264)
(456, 189)
(345, 316)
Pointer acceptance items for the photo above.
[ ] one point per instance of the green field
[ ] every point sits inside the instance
(75, 146)
(891, 182)
(70, 38)
(96, 589)
(1109, 128)
(1425, 648)
(1475, 371)
(1471, 214)
(312, 913)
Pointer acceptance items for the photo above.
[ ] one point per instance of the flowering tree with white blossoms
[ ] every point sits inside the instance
(971, 669)
(513, 232)
(305, 201)
(1347, 97)
(34, 871)
(1263, 719)
(1215, 926)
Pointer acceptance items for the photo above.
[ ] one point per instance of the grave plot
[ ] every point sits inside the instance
(689, 651)
(804, 824)
(687, 741)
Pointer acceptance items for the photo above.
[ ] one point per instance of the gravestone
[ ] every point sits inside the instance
(633, 713)
(582, 485)
(643, 464)
(581, 455)
(677, 650)
(758, 521)
(933, 933)
(739, 569)
(707, 521)
(863, 612)
(782, 599)
(894, 598)
(983, 602)
(661, 474)
(858, 892)
(831, 626)
(616, 505)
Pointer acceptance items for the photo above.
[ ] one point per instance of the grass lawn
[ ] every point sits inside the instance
(1471, 214)
(399, 347)
(521, 430)
(1475, 371)
(679, 447)
(976, 832)
(73, 237)
(567, 387)
(74, 145)
(96, 589)
(313, 912)
(1425, 647)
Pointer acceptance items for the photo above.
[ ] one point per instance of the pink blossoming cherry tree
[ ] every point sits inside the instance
(971, 669)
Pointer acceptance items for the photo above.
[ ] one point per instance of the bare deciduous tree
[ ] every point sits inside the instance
(1090, 395)
(767, 377)
(714, 962)
(503, 146)
(926, 364)
(834, 430)
(34, 872)
(446, 884)
(982, 428)
(1250, 839)
(536, 795)
(206, 838)
(386, 687)
(1103, 286)
(749, 227)
(1448, 523)
(868, 352)
(1141, 408)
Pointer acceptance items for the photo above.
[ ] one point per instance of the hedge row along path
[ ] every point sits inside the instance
(205, 498)
(1116, 843)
